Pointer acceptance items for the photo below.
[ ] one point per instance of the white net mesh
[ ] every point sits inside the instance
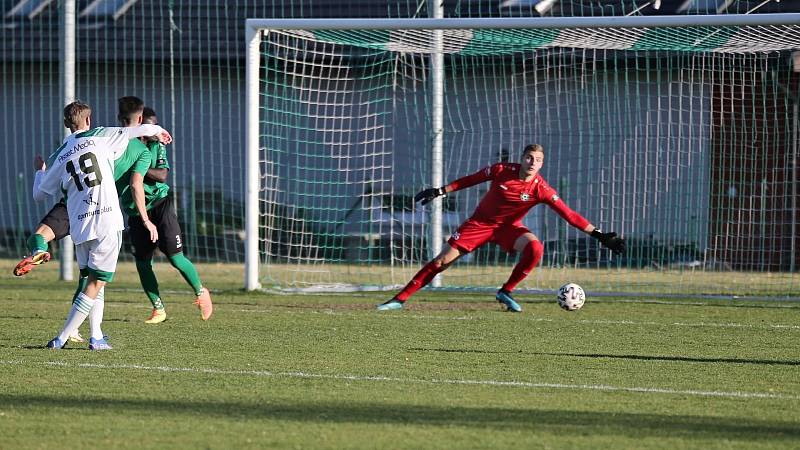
(680, 139)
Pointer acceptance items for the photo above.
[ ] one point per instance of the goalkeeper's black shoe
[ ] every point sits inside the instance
(505, 298)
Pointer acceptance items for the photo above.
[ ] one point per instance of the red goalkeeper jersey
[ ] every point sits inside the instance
(510, 198)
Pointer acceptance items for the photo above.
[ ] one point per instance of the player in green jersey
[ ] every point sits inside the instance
(161, 210)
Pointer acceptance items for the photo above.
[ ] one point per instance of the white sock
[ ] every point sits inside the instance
(96, 315)
(80, 310)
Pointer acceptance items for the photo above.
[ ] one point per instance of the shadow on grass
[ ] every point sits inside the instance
(772, 362)
(500, 419)
(42, 347)
(113, 319)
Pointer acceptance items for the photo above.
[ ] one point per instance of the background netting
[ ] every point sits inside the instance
(610, 113)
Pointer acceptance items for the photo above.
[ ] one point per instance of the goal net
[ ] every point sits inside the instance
(681, 138)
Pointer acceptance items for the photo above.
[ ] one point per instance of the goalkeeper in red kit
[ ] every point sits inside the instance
(515, 189)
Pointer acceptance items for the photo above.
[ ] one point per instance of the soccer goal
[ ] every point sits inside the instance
(680, 133)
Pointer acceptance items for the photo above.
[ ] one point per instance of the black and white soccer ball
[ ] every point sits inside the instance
(571, 297)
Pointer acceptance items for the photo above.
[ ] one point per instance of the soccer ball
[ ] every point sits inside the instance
(571, 297)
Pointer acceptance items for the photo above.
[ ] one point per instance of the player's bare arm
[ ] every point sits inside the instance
(159, 175)
(38, 163)
(156, 131)
(137, 189)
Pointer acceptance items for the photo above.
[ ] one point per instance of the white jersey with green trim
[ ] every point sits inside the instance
(83, 169)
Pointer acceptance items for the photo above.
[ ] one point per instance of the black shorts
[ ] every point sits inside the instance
(163, 216)
(58, 220)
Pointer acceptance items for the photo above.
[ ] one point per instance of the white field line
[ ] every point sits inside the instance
(541, 319)
(380, 378)
(687, 324)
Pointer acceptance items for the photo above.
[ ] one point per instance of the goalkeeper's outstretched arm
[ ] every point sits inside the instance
(609, 240)
(427, 195)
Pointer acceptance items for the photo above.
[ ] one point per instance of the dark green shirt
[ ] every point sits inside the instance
(153, 190)
(136, 159)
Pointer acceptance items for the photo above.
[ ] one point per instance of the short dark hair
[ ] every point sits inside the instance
(75, 113)
(533, 148)
(148, 113)
(128, 107)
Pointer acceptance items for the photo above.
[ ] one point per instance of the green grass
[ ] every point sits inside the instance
(450, 371)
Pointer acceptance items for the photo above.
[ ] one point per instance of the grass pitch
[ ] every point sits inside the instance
(450, 371)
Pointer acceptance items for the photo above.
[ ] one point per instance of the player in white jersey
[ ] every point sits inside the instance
(82, 168)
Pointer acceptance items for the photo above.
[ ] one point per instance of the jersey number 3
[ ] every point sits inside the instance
(91, 169)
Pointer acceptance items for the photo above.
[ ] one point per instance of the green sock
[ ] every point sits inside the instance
(36, 243)
(83, 280)
(187, 270)
(149, 282)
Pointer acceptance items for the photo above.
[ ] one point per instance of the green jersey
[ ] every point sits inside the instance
(135, 160)
(153, 190)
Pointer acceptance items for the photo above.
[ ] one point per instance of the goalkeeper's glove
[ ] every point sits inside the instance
(429, 194)
(610, 240)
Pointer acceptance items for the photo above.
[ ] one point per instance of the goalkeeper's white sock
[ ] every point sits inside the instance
(80, 310)
(96, 315)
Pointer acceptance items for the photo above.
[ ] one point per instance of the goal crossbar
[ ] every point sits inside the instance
(252, 25)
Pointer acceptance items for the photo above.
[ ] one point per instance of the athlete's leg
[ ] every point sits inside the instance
(102, 264)
(37, 242)
(98, 257)
(187, 270)
(80, 310)
(83, 278)
(96, 316)
(143, 250)
(37, 250)
(81, 307)
(189, 273)
(469, 236)
(147, 277)
(89, 303)
(171, 244)
(437, 265)
(54, 225)
(530, 250)
(517, 239)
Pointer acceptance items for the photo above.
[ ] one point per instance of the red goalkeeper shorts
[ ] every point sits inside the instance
(472, 234)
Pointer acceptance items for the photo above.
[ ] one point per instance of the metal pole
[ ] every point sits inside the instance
(793, 253)
(21, 200)
(173, 126)
(437, 130)
(252, 166)
(67, 75)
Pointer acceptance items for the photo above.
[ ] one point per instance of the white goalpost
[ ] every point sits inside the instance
(650, 123)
